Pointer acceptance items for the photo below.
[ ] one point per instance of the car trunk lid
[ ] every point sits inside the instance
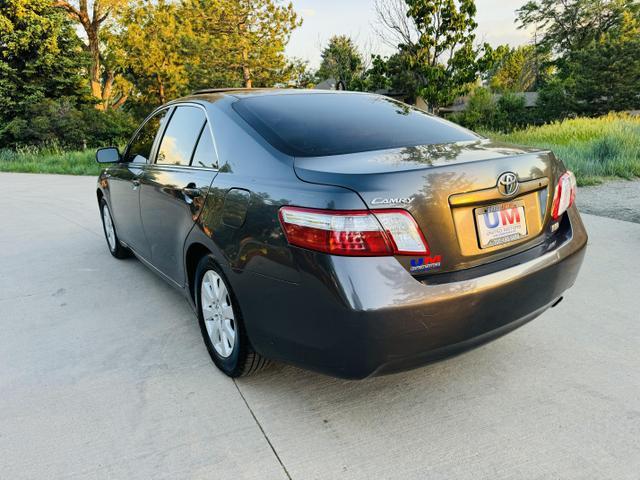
(446, 188)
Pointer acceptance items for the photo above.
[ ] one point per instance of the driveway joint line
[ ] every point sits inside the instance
(286, 472)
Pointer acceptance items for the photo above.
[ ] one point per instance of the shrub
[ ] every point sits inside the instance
(59, 123)
(554, 103)
(511, 113)
(485, 113)
(480, 112)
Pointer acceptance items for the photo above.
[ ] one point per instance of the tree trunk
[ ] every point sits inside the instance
(161, 94)
(91, 25)
(94, 70)
(118, 103)
(246, 73)
(106, 90)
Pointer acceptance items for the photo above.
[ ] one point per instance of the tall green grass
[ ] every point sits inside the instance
(51, 160)
(593, 148)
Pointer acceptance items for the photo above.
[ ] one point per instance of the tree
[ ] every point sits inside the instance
(239, 41)
(480, 113)
(297, 70)
(511, 112)
(377, 76)
(150, 45)
(491, 60)
(597, 54)
(341, 60)
(40, 57)
(402, 78)
(488, 111)
(555, 101)
(91, 16)
(571, 25)
(518, 71)
(435, 41)
(605, 75)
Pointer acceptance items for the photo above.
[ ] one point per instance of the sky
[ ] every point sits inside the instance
(325, 18)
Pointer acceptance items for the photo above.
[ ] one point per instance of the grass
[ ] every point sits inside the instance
(593, 148)
(53, 160)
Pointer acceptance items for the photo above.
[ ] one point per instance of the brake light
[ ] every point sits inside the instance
(353, 232)
(565, 194)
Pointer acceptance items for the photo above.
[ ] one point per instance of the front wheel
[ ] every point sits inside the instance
(221, 323)
(115, 247)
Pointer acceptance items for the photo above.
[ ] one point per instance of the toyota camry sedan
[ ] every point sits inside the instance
(341, 232)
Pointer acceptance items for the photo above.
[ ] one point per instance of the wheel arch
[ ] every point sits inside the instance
(194, 253)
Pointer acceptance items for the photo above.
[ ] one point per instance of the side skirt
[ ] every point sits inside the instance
(154, 269)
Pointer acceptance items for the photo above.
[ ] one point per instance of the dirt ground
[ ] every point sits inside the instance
(618, 199)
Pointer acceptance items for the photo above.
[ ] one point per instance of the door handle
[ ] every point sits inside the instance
(136, 183)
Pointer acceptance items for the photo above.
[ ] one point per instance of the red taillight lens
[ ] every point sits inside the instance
(565, 194)
(353, 233)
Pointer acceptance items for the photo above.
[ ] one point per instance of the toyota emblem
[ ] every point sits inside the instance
(508, 184)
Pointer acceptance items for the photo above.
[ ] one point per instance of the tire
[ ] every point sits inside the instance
(113, 243)
(221, 323)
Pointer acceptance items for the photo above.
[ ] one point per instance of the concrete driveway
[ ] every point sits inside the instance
(103, 375)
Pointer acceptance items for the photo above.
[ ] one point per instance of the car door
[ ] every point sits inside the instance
(174, 186)
(125, 182)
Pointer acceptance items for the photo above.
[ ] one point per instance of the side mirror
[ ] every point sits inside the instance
(108, 155)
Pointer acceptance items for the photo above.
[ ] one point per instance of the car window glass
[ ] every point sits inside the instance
(140, 147)
(309, 125)
(180, 137)
(205, 154)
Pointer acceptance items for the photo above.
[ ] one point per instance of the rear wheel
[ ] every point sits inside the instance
(115, 247)
(221, 323)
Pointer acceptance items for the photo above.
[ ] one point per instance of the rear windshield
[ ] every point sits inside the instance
(310, 125)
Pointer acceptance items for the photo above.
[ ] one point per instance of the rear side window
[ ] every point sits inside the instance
(180, 137)
(205, 154)
(309, 125)
(140, 147)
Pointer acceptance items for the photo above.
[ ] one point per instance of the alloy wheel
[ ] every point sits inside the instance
(218, 314)
(109, 231)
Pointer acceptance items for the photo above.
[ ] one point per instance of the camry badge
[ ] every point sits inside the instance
(508, 184)
(390, 201)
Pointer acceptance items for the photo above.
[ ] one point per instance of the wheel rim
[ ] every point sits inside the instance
(109, 231)
(218, 313)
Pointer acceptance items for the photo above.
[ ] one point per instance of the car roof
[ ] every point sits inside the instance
(214, 93)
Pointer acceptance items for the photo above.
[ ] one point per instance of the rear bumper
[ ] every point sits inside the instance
(357, 317)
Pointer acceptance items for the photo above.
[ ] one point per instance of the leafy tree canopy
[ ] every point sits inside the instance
(239, 42)
(605, 75)
(40, 57)
(570, 25)
(149, 46)
(435, 39)
(519, 70)
(341, 60)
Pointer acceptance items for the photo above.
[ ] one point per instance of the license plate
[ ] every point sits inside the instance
(501, 224)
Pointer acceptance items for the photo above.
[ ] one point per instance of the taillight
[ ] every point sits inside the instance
(403, 232)
(565, 194)
(353, 232)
